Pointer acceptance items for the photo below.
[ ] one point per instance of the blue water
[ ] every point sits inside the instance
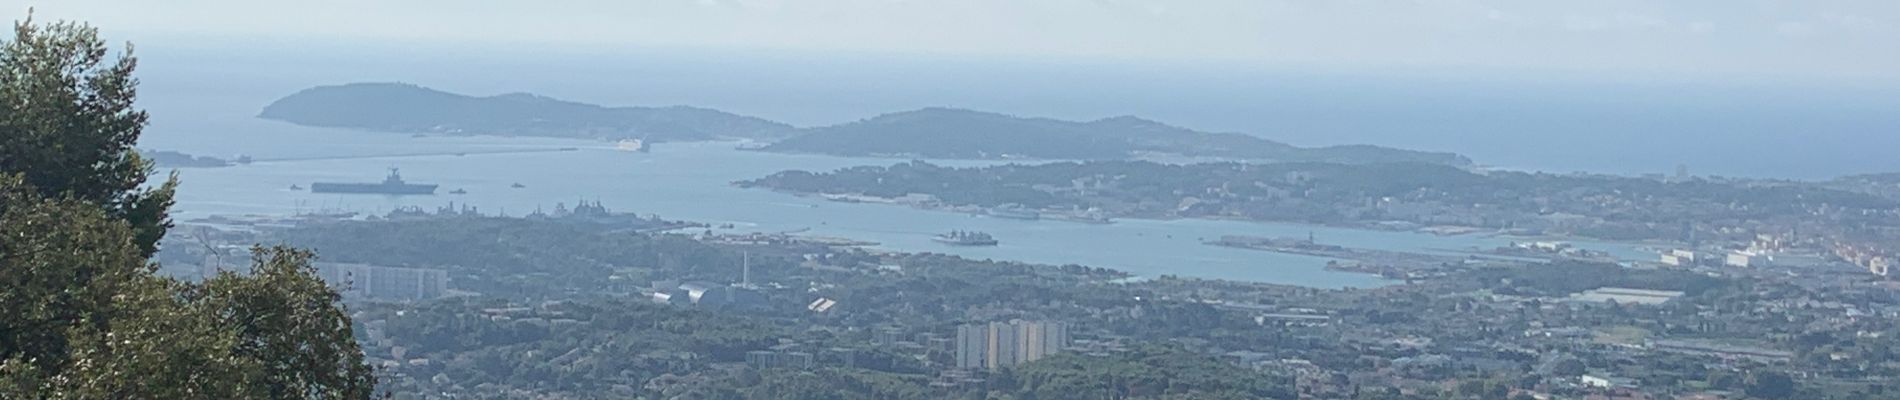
(203, 101)
(689, 181)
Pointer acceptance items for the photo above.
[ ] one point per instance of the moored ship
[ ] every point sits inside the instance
(1014, 212)
(966, 238)
(393, 184)
(633, 145)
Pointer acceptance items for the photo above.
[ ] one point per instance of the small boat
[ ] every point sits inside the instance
(294, 186)
(458, 191)
(517, 185)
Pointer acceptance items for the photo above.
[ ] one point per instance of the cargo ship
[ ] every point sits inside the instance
(390, 185)
(966, 238)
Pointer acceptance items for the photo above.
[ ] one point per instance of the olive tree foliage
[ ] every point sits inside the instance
(82, 313)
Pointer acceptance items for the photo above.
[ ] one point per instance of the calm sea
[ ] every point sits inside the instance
(203, 102)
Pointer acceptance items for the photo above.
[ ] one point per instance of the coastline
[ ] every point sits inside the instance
(1436, 230)
(1395, 267)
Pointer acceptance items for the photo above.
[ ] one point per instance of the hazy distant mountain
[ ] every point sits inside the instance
(957, 133)
(1882, 178)
(400, 107)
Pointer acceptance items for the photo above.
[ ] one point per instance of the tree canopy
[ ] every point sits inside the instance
(85, 317)
(70, 125)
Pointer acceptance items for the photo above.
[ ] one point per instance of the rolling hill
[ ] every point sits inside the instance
(959, 133)
(406, 108)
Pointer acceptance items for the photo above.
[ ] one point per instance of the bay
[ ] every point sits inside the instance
(691, 181)
(208, 108)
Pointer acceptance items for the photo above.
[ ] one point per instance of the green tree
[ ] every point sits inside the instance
(1569, 368)
(61, 262)
(1723, 379)
(86, 319)
(1769, 385)
(290, 326)
(84, 315)
(68, 125)
(1471, 389)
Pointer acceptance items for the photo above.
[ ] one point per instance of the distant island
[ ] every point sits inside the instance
(406, 108)
(945, 133)
(967, 134)
(173, 159)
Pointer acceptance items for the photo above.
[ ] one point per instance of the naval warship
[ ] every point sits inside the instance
(390, 185)
(966, 238)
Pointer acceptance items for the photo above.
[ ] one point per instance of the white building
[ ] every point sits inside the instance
(780, 359)
(1606, 381)
(1550, 246)
(1679, 258)
(1745, 259)
(369, 282)
(1625, 296)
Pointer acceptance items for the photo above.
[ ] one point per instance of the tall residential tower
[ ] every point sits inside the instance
(1004, 344)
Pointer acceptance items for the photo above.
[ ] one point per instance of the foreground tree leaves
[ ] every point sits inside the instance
(62, 263)
(160, 347)
(88, 320)
(288, 322)
(82, 314)
(69, 125)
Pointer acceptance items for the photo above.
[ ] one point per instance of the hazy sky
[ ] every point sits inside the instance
(1746, 40)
